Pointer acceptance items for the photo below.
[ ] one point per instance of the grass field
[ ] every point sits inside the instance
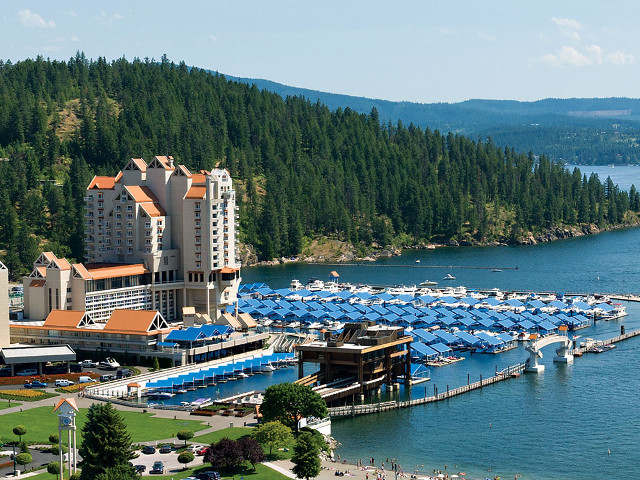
(41, 422)
(5, 404)
(261, 473)
(234, 433)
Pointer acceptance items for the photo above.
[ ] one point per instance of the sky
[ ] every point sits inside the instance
(420, 51)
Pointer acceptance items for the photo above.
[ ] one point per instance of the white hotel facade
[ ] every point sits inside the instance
(157, 237)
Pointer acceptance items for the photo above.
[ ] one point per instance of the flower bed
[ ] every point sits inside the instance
(26, 395)
(75, 388)
(42, 378)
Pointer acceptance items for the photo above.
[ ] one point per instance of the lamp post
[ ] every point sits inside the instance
(14, 460)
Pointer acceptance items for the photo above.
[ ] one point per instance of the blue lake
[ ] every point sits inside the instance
(579, 421)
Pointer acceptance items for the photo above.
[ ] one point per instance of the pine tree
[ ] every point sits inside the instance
(106, 443)
(306, 457)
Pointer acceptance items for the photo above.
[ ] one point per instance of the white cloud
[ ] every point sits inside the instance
(446, 31)
(619, 58)
(486, 36)
(212, 38)
(567, 56)
(572, 34)
(566, 22)
(590, 56)
(73, 14)
(30, 19)
(74, 38)
(107, 19)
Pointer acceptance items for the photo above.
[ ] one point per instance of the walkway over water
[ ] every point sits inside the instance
(353, 410)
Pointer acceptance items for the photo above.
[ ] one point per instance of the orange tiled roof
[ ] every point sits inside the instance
(153, 209)
(199, 179)
(228, 270)
(185, 170)
(42, 271)
(102, 183)
(165, 161)
(196, 192)
(130, 321)
(63, 318)
(140, 163)
(63, 264)
(102, 270)
(70, 401)
(38, 283)
(141, 194)
(118, 177)
(49, 256)
(82, 271)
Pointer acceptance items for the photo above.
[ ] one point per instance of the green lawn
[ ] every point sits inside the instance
(41, 422)
(5, 404)
(234, 433)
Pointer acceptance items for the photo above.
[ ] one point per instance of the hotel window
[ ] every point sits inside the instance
(130, 241)
(100, 195)
(129, 208)
(123, 199)
(118, 241)
(197, 231)
(196, 206)
(118, 216)
(197, 223)
(197, 240)
(148, 241)
(197, 214)
(198, 256)
(129, 216)
(160, 239)
(198, 264)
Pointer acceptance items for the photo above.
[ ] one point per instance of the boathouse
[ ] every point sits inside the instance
(357, 360)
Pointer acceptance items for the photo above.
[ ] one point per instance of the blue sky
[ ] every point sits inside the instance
(423, 51)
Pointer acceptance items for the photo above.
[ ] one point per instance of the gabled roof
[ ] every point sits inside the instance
(106, 270)
(161, 161)
(118, 177)
(39, 272)
(67, 318)
(228, 270)
(38, 282)
(247, 320)
(61, 263)
(81, 271)
(228, 319)
(196, 192)
(66, 401)
(139, 322)
(199, 178)
(182, 171)
(141, 194)
(136, 164)
(48, 256)
(153, 209)
(102, 183)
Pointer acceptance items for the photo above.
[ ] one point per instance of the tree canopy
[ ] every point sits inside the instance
(289, 402)
(273, 434)
(306, 457)
(106, 445)
(301, 170)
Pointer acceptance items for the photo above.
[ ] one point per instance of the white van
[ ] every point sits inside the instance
(86, 379)
(63, 382)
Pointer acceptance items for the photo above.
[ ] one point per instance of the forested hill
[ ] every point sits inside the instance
(302, 170)
(575, 130)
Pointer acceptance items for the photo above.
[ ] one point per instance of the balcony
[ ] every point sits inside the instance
(88, 198)
(88, 214)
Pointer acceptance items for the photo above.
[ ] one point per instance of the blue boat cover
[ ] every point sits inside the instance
(467, 338)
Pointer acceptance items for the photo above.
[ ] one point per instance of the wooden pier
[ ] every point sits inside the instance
(353, 410)
(610, 341)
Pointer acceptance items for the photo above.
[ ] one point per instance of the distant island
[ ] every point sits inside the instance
(307, 176)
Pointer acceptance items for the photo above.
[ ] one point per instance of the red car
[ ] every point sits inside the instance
(202, 451)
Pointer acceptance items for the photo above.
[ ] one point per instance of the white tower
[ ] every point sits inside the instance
(67, 410)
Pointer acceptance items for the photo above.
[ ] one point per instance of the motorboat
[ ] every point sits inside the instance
(448, 276)
(160, 395)
(428, 283)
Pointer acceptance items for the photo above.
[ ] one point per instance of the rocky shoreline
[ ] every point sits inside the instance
(348, 253)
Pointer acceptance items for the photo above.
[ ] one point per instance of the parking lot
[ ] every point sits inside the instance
(170, 460)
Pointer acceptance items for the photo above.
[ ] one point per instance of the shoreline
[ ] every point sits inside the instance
(550, 235)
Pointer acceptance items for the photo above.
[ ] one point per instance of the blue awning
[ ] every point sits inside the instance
(490, 339)
(448, 338)
(423, 350)
(467, 338)
(425, 336)
(440, 348)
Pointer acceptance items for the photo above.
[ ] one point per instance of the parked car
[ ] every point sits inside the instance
(107, 377)
(88, 364)
(166, 448)
(124, 373)
(109, 364)
(140, 469)
(194, 448)
(63, 382)
(148, 449)
(202, 451)
(27, 372)
(158, 467)
(209, 475)
(35, 384)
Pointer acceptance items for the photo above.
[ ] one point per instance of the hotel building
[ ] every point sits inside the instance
(157, 237)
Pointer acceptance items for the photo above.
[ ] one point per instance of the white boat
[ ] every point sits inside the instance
(428, 283)
(160, 395)
(496, 270)
(295, 285)
(182, 390)
(417, 261)
(314, 326)
(448, 276)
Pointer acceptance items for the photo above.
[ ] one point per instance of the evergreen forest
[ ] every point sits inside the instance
(302, 171)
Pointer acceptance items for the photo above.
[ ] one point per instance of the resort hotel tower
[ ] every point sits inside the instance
(157, 238)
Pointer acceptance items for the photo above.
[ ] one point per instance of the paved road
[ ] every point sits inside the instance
(39, 459)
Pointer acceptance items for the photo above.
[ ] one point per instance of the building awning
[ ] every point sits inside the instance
(37, 353)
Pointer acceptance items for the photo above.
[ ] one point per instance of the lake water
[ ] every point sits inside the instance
(622, 175)
(579, 421)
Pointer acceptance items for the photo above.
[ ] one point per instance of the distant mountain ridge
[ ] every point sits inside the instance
(575, 130)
